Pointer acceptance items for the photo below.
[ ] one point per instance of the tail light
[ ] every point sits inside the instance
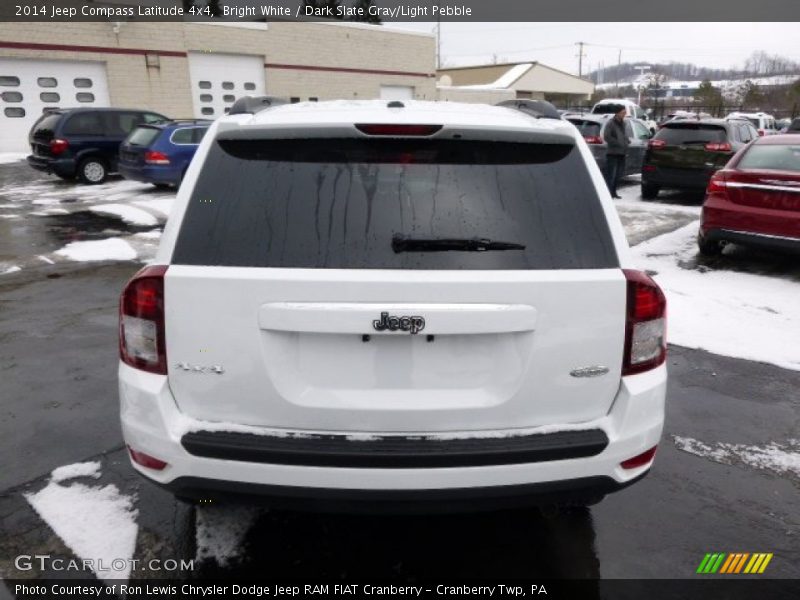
(152, 157)
(593, 139)
(640, 460)
(150, 462)
(398, 129)
(760, 133)
(646, 324)
(717, 184)
(141, 321)
(58, 147)
(718, 147)
(656, 144)
(648, 168)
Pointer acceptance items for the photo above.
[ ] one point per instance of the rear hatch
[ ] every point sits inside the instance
(132, 150)
(362, 284)
(42, 133)
(700, 148)
(767, 176)
(592, 132)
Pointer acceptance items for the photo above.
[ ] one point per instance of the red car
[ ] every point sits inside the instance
(755, 199)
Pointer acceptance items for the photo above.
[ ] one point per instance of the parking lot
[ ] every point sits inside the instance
(726, 477)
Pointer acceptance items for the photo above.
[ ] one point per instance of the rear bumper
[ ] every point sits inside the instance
(150, 173)
(152, 423)
(65, 167)
(687, 179)
(723, 220)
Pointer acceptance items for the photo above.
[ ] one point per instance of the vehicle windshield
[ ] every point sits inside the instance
(768, 156)
(345, 203)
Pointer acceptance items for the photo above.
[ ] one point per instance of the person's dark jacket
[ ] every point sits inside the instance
(615, 137)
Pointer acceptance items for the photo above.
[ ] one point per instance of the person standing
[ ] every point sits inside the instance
(617, 147)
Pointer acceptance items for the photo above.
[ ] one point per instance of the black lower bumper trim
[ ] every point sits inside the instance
(753, 239)
(395, 452)
(582, 492)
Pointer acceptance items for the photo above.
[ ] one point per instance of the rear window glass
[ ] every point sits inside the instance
(143, 136)
(345, 203)
(769, 156)
(586, 128)
(45, 127)
(606, 109)
(680, 134)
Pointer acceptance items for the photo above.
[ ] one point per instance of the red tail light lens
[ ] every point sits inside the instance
(656, 144)
(593, 139)
(760, 133)
(152, 157)
(392, 129)
(151, 462)
(717, 184)
(648, 168)
(141, 321)
(58, 147)
(718, 147)
(646, 324)
(640, 460)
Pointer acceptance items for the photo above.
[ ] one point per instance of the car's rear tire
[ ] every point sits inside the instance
(650, 191)
(92, 170)
(707, 247)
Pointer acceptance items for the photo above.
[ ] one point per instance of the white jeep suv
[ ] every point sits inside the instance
(404, 304)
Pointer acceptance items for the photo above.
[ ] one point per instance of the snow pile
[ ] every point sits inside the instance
(96, 523)
(11, 157)
(110, 249)
(9, 270)
(221, 531)
(781, 459)
(743, 315)
(129, 214)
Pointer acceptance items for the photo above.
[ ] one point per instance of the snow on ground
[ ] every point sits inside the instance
(11, 157)
(110, 249)
(9, 270)
(82, 516)
(778, 458)
(221, 529)
(743, 315)
(129, 214)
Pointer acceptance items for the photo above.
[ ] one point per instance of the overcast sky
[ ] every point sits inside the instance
(724, 45)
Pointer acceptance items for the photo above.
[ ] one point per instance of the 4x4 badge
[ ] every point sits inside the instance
(411, 324)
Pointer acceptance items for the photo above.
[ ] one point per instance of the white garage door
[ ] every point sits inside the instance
(30, 87)
(218, 80)
(397, 92)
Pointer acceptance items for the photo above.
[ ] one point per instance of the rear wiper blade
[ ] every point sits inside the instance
(407, 244)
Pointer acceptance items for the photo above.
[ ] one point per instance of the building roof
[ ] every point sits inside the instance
(510, 74)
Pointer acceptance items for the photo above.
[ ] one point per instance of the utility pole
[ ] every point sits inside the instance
(580, 58)
(619, 68)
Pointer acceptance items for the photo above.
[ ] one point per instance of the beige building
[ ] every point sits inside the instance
(515, 80)
(198, 70)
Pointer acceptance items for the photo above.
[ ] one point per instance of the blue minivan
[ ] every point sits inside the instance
(83, 142)
(160, 153)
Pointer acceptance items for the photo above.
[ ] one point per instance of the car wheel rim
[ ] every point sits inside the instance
(94, 171)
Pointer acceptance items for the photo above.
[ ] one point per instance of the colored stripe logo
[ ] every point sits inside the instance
(734, 563)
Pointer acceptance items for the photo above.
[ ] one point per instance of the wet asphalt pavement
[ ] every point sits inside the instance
(58, 362)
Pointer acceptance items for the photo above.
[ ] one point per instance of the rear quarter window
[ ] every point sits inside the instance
(84, 123)
(341, 203)
(681, 134)
(143, 136)
(586, 128)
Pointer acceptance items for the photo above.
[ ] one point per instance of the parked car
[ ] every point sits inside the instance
(160, 153)
(685, 154)
(395, 303)
(763, 122)
(83, 142)
(606, 106)
(794, 127)
(591, 128)
(782, 125)
(755, 199)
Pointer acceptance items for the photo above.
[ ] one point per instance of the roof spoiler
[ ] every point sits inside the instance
(254, 104)
(539, 109)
